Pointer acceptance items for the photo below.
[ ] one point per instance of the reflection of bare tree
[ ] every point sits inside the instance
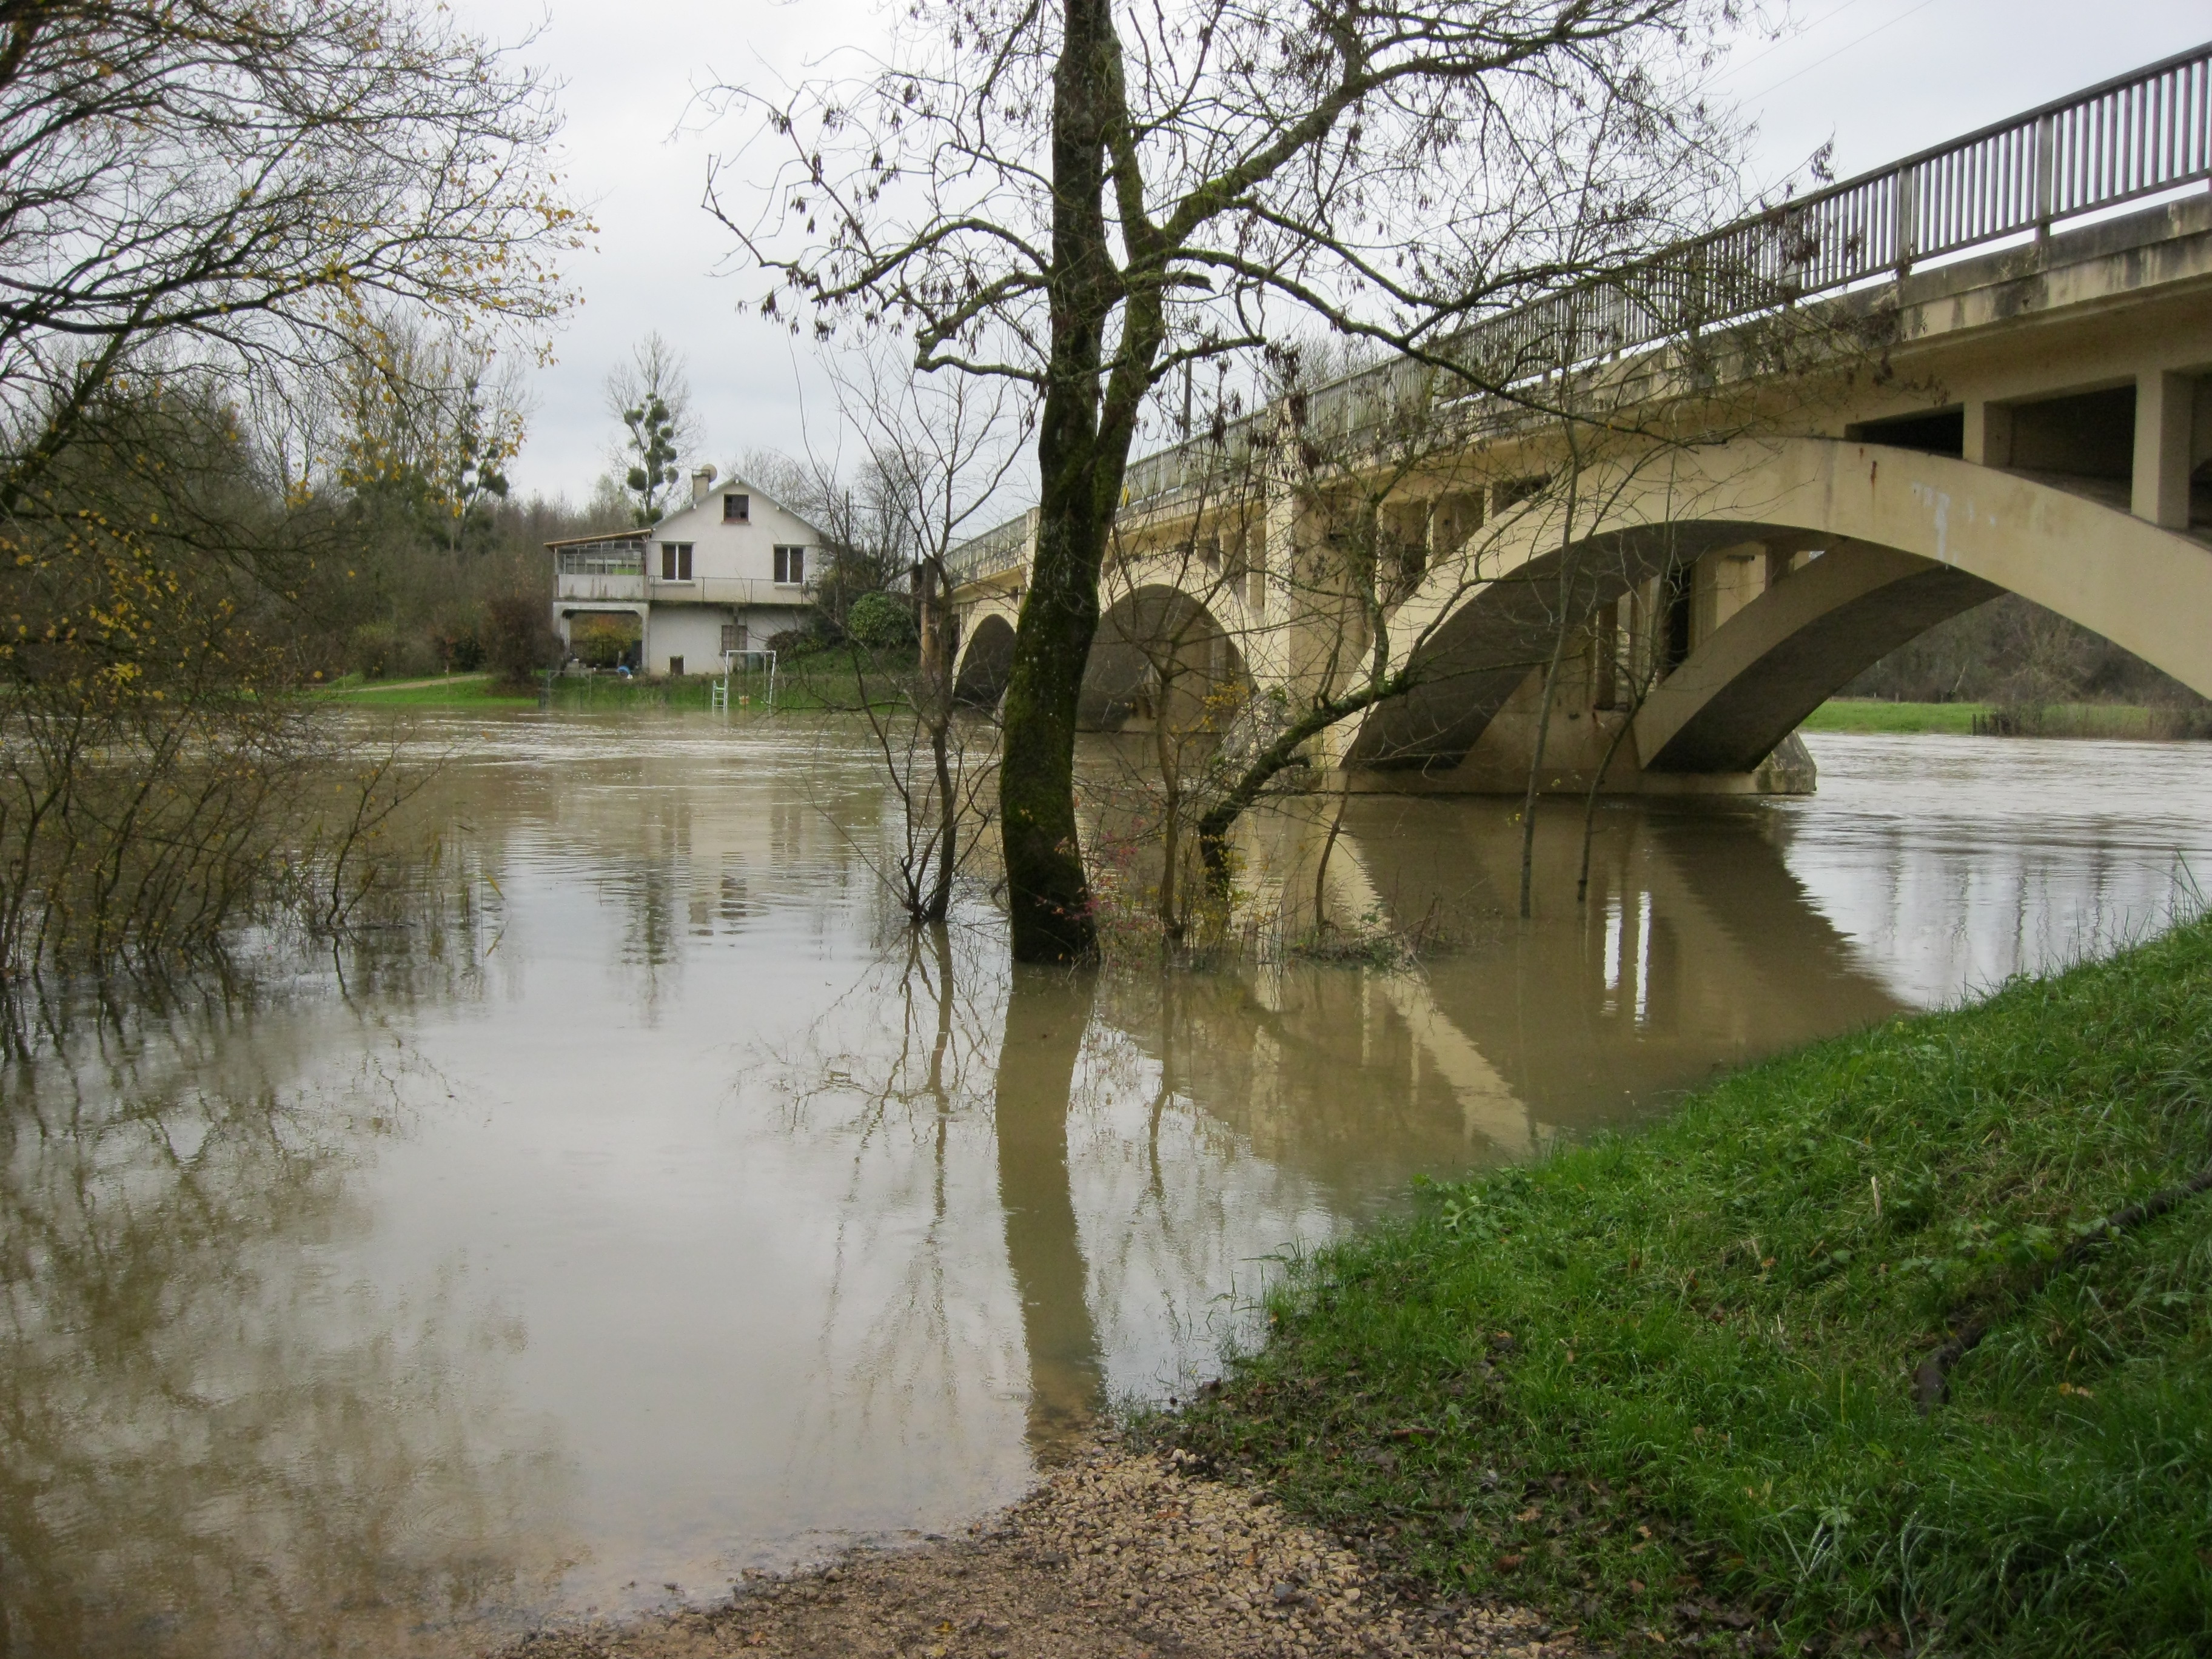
(205, 1445)
(901, 1324)
(916, 1102)
(1048, 1013)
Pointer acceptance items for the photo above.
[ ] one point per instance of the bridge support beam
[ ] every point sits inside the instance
(1771, 664)
(2165, 409)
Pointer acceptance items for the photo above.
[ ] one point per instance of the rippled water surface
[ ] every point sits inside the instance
(664, 1210)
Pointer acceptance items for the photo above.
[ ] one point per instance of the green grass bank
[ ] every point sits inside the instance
(1871, 714)
(818, 681)
(1665, 1385)
(2058, 719)
(449, 691)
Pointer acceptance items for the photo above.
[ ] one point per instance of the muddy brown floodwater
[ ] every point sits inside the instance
(657, 1209)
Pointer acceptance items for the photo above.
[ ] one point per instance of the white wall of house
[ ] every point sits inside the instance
(689, 634)
(733, 578)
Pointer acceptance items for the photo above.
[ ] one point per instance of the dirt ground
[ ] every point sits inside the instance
(1120, 1555)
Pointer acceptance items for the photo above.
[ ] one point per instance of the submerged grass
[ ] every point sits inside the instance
(1664, 1384)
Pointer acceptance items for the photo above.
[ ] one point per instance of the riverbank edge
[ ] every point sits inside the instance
(1664, 1386)
(1118, 1552)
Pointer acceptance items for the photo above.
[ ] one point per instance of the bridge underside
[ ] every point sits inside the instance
(1851, 550)
(1160, 654)
(1791, 649)
(986, 657)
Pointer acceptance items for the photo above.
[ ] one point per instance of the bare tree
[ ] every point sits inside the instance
(651, 396)
(939, 451)
(225, 189)
(211, 210)
(427, 424)
(1086, 198)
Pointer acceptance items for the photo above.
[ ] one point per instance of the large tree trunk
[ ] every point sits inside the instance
(1046, 891)
(1081, 479)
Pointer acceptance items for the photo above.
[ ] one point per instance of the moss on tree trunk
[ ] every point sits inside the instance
(1048, 897)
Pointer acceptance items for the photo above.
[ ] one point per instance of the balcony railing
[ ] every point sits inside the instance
(730, 590)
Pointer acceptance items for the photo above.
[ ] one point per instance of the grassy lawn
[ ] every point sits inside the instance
(2063, 720)
(1872, 714)
(449, 691)
(1665, 1385)
(822, 680)
(825, 680)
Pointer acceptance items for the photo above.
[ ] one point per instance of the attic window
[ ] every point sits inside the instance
(736, 509)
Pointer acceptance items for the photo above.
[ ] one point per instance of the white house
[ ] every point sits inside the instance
(724, 572)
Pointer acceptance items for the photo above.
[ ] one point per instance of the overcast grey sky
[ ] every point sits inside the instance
(1881, 78)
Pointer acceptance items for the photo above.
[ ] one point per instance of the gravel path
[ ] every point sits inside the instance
(1121, 1554)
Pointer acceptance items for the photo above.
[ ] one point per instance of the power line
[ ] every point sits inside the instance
(1728, 69)
(1838, 51)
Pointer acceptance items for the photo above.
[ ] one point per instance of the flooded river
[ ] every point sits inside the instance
(665, 1211)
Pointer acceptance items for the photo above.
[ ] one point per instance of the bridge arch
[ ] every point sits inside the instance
(1906, 539)
(1158, 651)
(986, 657)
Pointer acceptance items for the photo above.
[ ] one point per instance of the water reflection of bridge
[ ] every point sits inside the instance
(1696, 950)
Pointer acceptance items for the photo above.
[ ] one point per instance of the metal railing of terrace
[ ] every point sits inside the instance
(2137, 135)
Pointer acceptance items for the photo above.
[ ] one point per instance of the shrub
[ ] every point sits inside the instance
(518, 639)
(374, 645)
(795, 642)
(458, 648)
(880, 622)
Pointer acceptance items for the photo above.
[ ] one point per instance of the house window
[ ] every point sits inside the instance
(675, 561)
(676, 667)
(790, 566)
(733, 637)
(736, 509)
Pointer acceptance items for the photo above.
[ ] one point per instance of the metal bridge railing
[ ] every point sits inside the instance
(2137, 134)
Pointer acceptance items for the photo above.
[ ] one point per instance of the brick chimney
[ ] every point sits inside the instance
(702, 480)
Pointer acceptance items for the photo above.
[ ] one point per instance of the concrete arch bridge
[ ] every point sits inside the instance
(1745, 516)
